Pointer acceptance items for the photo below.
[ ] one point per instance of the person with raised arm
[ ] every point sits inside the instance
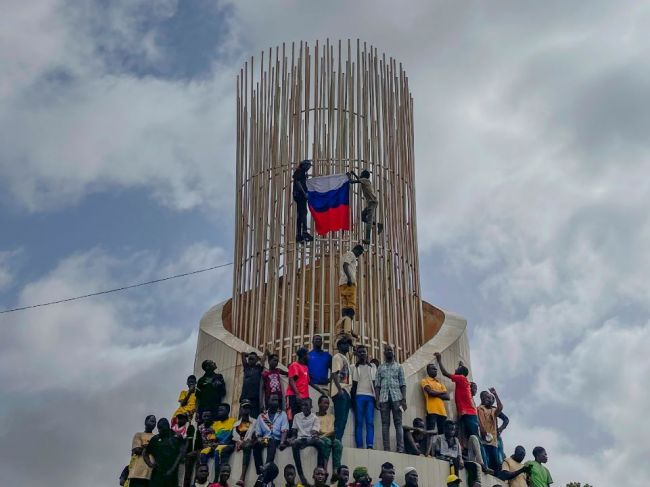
(369, 213)
(462, 396)
(487, 420)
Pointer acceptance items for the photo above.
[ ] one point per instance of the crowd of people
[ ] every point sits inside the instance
(201, 436)
(194, 448)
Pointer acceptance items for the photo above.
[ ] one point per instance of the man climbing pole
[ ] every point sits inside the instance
(300, 197)
(369, 213)
(348, 292)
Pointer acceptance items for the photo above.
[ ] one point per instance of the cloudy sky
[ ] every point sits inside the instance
(116, 166)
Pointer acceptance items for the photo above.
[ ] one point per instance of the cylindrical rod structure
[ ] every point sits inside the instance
(345, 107)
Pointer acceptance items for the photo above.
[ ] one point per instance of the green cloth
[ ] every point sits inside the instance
(538, 476)
(359, 472)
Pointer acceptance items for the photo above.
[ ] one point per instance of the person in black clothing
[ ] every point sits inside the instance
(300, 198)
(192, 444)
(166, 448)
(210, 389)
(251, 389)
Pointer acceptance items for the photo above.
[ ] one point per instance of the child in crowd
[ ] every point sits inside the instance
(290, 476)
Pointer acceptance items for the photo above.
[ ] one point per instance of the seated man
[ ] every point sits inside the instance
(447, 447)
(306, 427)
(271, 428)
(387, 476)
(411, 477)
(242, 435)
(361, 477)
(217, 437)
(327, 442)
(187, 400)
(418, 439)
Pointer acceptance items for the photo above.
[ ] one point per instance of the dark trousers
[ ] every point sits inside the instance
(256, 450)
(159, 479)
(298, 445)
(437, 422)
(470, 424)
(342, 403)
(492, 460)
(294, 407)
(385, 410)
(139, 482)
(301, 220)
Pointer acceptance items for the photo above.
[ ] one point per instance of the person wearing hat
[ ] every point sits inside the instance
(410, 477)
(387, 476)
(300, 198)
(369, 213)
(361, 478)
(242, 435)
(453, 481)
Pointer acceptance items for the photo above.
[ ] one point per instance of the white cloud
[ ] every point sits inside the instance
(7, 264)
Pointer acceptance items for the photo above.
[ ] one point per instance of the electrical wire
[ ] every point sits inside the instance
(108, 291)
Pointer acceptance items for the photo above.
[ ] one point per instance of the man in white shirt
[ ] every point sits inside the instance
(363, 398)
(306, 427)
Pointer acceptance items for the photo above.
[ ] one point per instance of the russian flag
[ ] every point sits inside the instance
(329, 202)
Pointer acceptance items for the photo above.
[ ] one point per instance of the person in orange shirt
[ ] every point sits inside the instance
(435, 393)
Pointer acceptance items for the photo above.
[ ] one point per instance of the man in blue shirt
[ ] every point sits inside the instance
(387, 476)
(319, 363)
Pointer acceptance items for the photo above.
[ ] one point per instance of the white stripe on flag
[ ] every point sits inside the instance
(323, 184)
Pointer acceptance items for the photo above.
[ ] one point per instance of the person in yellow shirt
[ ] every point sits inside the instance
(187, 400)
(435, 393)
(327, 441)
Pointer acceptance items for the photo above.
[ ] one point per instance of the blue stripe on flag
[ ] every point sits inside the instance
(330, 199)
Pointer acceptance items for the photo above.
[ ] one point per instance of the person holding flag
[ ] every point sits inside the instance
(300, 196)
(369, 213)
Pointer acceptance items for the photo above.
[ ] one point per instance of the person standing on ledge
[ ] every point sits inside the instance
(487, 420)
(369, 213)
(463, 397)
(163, 454)
(390, 396)
(538, 474)
(139, 470)
(210, 390)
(435, 393)
(319, 363)
(348, 292)
(300, 198)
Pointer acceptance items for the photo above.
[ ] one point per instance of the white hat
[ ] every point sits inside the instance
(408, 470)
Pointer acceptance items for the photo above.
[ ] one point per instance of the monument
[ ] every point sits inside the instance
(346, 107)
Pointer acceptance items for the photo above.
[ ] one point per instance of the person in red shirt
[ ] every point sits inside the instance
(271, 378)
(298, 382)
(465, 407)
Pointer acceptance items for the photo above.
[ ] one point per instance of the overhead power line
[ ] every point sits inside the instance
(108, 291)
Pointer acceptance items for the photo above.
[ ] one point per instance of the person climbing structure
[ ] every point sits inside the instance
(348, 293)
(300, 197)
(369, 213)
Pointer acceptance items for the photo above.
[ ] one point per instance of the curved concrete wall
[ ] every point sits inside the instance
(218, 344)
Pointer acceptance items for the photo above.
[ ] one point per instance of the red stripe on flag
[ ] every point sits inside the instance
(331, 220)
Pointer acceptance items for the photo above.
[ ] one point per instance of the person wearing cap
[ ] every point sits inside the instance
(270, 472)
(361, 478)
(487, 421)
(300, 198)
(387, 476)
(410, 477)
(242, 435)
(368, 215)
(298, 388)
(453, 480)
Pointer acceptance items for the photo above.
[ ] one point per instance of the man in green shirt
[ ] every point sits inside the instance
(538, 475)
